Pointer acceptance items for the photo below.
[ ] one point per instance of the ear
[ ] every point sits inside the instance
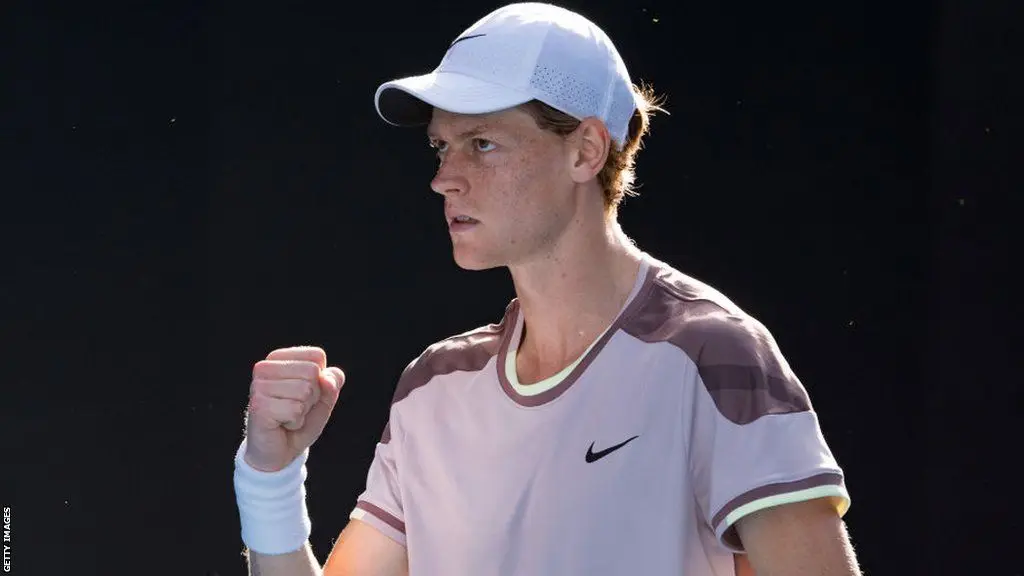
(591, 144)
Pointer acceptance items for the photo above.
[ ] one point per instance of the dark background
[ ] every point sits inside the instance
(189, 185)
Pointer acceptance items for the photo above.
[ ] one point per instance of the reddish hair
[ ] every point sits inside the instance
(618, 176)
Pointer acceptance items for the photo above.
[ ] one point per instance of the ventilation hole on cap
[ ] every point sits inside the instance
(566, 91)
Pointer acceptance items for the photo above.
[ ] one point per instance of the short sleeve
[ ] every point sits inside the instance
(380, 504)
(755, 439)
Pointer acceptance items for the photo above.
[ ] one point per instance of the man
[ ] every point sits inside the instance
(622, 417)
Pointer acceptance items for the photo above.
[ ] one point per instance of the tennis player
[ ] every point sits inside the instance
(622, 418)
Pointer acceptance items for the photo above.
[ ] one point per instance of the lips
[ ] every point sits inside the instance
(460, 223)
(456, 217)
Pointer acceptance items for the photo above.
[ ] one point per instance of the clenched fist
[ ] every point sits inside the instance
(292, 396)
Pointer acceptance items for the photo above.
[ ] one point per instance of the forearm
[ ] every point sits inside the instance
(302, 562)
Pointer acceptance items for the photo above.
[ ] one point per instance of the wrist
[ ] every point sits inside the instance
(272, 505)
(254, 460)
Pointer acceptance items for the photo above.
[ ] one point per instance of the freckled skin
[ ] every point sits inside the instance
(512, 176)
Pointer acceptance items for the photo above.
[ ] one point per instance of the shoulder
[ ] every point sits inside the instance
(467, 352)
(737, 358)
(690, 314)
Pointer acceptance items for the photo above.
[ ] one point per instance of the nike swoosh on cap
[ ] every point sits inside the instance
(471, 36)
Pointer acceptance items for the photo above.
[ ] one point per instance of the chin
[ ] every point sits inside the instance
(472, 260)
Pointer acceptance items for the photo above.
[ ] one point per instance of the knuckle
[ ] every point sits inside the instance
(321, 355)
(310, 371)
(273, 410)
(282, 353)
(314, 354)
(309, 353)
(263, 367)
(264, 387)
(284, 369)
(258, 403)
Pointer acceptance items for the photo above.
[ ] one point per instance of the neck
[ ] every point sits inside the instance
(571, 294)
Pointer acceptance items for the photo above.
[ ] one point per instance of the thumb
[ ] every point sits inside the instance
(331, 381)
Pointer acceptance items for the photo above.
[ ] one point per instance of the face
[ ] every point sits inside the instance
(508, 179)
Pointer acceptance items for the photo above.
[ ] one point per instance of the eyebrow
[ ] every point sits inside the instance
(465, 134)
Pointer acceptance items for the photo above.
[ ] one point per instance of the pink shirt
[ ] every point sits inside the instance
(681, 418)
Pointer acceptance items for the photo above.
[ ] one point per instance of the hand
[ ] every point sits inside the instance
(292, 396)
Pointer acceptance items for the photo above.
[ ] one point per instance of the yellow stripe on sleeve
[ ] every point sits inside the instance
(837, 493)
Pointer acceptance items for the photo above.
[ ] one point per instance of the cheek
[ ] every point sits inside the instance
(540, 184)
(524, 194)
(520, 191)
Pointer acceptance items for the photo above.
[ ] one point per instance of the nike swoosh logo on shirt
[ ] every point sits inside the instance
(595, 456)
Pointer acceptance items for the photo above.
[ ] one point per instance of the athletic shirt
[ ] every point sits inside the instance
(638, 458)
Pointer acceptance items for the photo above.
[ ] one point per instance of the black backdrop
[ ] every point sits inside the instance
(192, 184)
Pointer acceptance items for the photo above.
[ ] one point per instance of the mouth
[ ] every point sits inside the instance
(461, 222)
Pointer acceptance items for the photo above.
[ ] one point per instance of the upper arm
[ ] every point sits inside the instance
(362, 550)
(799, 538)
(755, 442)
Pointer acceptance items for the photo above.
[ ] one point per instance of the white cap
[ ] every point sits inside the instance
(521, 52)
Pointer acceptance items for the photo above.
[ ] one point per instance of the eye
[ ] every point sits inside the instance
(439, 145)
(483, 145)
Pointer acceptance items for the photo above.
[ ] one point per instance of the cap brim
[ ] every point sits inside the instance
(410, 101)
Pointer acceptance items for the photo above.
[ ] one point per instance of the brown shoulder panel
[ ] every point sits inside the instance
(467, 352)
(738, 361)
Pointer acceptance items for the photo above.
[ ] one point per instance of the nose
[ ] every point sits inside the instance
(450, 178)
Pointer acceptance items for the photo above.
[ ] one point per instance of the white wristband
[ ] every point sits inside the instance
(272, 505)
